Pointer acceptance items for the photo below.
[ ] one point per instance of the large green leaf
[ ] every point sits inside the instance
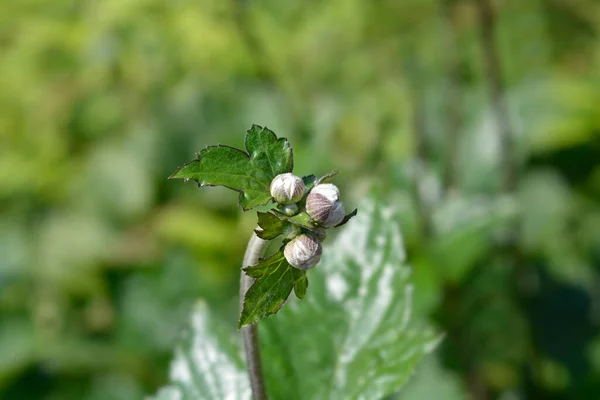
(353, 336)
(249, 173)
(207, 364)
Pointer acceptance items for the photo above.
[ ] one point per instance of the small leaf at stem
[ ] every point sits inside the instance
(248, 172)
(302, 220)
(300, 283)
(273, 285)
(270, 226)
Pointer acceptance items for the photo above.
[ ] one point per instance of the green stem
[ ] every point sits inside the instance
(255, 249)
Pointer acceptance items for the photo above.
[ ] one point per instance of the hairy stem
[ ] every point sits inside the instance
(255, 249)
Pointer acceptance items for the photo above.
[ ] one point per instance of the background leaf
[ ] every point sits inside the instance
(353, 336)
(248, 173)
(207, 364)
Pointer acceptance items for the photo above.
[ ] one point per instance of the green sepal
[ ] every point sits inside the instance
(248, 172)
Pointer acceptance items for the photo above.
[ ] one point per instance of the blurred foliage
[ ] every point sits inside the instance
(102, 258)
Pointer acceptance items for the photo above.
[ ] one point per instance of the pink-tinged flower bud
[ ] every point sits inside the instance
(303, 252)
(323, 205)
(287, 188)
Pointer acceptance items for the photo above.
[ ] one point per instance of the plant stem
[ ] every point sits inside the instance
(453, 95)
(491, 58)
(255, 249)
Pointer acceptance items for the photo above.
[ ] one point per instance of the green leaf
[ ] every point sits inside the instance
(270, 226)
(207, 363)
(273, 285)
(300, 283)
(354, 335)
(347, 218)
(326, 177)
(249, 173)
(309, 181)
(302, 220)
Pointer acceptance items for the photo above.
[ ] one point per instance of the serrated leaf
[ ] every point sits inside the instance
(270, 226)
(300, 283)
(207, 363)
(353, 336)
(273, 285)
(264, 264)
(249, 172)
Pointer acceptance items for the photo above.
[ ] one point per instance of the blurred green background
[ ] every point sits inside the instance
(478, 119)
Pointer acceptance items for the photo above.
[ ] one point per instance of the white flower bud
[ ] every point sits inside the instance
(303, 252)
(287, 188)
(323, 205)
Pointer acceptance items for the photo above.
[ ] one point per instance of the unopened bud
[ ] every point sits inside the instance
(287, 188)
(323, 205)
(303, 252)
(290, 209)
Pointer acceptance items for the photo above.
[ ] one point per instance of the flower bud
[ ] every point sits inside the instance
(290, 209)
(323, 205)
(303, 252)
(287, 188)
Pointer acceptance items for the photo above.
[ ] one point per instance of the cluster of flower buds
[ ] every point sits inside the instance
(324, 208)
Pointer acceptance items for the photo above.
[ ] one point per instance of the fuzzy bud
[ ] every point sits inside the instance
(323, 205)
(303, 252)
(287, 188)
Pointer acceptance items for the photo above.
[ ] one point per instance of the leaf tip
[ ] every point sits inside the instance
(348, 218)
(175, 174)
(326, 177)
